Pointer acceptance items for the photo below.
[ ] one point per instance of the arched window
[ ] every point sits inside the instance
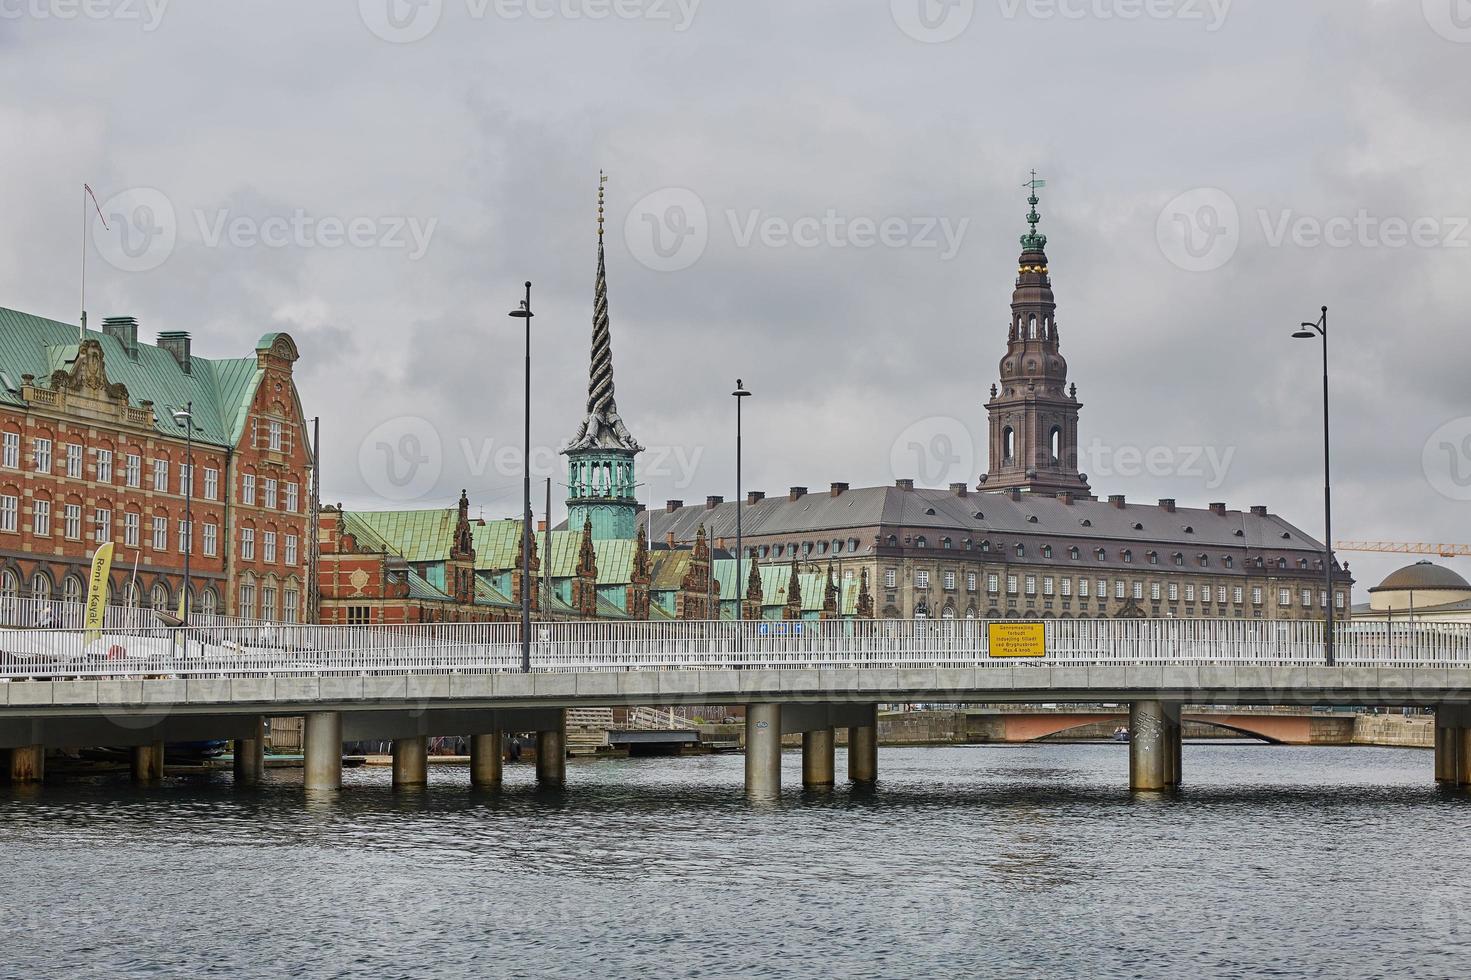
(159, 596)
(1047, 551)
(1055, 443)
(946, 543)
(1021, 551)
(209, 602)
(71, 588)
(1008, 443)
(9, 584)
(893, 541)
(1032, 327)
(920, 542)
(1074, 554)
(41, 586)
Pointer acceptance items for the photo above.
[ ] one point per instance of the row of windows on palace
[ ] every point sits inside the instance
(806, 549)
(161, 597)
(102, 531)
(1063, 588)
(272, 492)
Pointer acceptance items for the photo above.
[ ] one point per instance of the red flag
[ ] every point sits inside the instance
(88, 189)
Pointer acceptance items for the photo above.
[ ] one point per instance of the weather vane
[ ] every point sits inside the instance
(602, 179)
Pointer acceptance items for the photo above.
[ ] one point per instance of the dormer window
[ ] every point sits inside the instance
(921, 542)
(1074, 554)
(1047, 551)
(1128, 557)
(1228, 561)
(1100, 554)
(1021, 551)
(946, 543)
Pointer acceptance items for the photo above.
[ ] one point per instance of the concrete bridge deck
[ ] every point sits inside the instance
(66, 688)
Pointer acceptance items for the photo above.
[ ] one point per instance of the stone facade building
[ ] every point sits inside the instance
(1032, 541)
(91, 450)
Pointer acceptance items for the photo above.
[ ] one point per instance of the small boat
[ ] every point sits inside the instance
(1121, 734)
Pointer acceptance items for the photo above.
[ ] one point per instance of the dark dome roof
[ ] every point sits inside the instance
(1422, 575)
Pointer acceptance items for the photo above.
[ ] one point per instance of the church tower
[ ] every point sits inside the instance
(600, 468)
(1034, 412)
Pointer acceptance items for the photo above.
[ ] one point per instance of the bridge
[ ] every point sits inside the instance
(146, 687)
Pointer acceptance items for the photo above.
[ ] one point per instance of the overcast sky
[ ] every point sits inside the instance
(821, 198)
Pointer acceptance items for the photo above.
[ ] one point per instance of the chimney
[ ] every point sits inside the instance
(755, 496)
(669, 540)
(838, 489)
(959, 489)
(670, 506)
(904, 484)
(719, 544)
(796, 493)
(541, 525)
(713, 500)
(123, 329)
(1218, 509)
(1116, 500)
(1066, 498)
(1259, 511)
(176, 342)
(1167, 504)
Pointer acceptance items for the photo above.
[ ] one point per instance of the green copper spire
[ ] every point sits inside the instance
(600, 458)
(1032, 241)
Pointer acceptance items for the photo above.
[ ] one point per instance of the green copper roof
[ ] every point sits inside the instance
(417, 535)
(221, 390)
(419, 588)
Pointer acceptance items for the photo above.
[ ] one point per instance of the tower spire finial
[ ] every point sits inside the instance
(602, 179)
(1032, 241)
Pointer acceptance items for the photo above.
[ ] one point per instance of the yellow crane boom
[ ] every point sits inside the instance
(1406, 548)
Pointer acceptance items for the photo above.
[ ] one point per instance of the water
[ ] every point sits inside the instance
(1016, 861)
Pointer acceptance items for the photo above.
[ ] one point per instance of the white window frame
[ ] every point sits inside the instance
(160, 533)
(41, 518)
(160, 475)
(292, 552)
(211, 540)
(133, 470)
(104, 465)
(102, 525)
(9, 512)
(74, 460)
(268, 547)
(211, 483)
(10, 450)
(72, 522)
(247, 544)
(247, 488)
(130, 530)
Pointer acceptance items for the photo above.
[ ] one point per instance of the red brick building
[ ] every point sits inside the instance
(93, 449)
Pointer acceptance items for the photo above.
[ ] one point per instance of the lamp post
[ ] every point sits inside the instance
(185, 417)
(524, 313)
(740, 394)
(1307, 332)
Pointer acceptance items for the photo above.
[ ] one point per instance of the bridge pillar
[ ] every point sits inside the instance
(411, 761)
(250, 756)
(817, 759)
(1173, 727)
(863, 750)
(551, 755)
(1445, 759)
(763, 751)
(1461, 736)
(485, 760)
(148, 763)
(1147, 756)
(322, 750)
(27, 764)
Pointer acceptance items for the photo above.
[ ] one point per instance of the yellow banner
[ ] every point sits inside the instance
(1017, 639)
(97, 591)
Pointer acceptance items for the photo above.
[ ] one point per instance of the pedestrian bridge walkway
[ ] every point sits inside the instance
(359, 683)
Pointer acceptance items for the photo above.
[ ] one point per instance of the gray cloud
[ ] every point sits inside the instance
(494, 129)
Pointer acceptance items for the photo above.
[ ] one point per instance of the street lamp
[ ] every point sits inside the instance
(739, 394)
(185, 417)
(524, 313)
(1307, 332)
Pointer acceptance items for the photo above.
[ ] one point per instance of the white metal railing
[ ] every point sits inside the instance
(465, 648)
(31, 612)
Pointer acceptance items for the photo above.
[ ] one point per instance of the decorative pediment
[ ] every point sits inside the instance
(81, 387)
(88, 374)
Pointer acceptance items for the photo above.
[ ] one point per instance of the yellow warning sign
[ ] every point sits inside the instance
(1017, 639)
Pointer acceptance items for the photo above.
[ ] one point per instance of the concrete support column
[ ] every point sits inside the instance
(1445, 751)
(1147, 745)
(763, 751)
(1461, 737)
(817, 759)
(27, 764)
(250, 756)
(485, 760)
(551, 755)
(411, 761)
(148, 763)
(1173, 730)
(322, 750)
(863, 750)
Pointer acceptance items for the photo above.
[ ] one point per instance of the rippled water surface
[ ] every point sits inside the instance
(1017, 861)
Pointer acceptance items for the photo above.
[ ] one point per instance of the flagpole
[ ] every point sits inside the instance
(82, 334)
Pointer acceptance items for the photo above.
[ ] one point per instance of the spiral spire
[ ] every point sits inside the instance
(602, 428)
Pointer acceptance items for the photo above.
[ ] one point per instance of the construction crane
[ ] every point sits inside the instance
(1406, 548)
